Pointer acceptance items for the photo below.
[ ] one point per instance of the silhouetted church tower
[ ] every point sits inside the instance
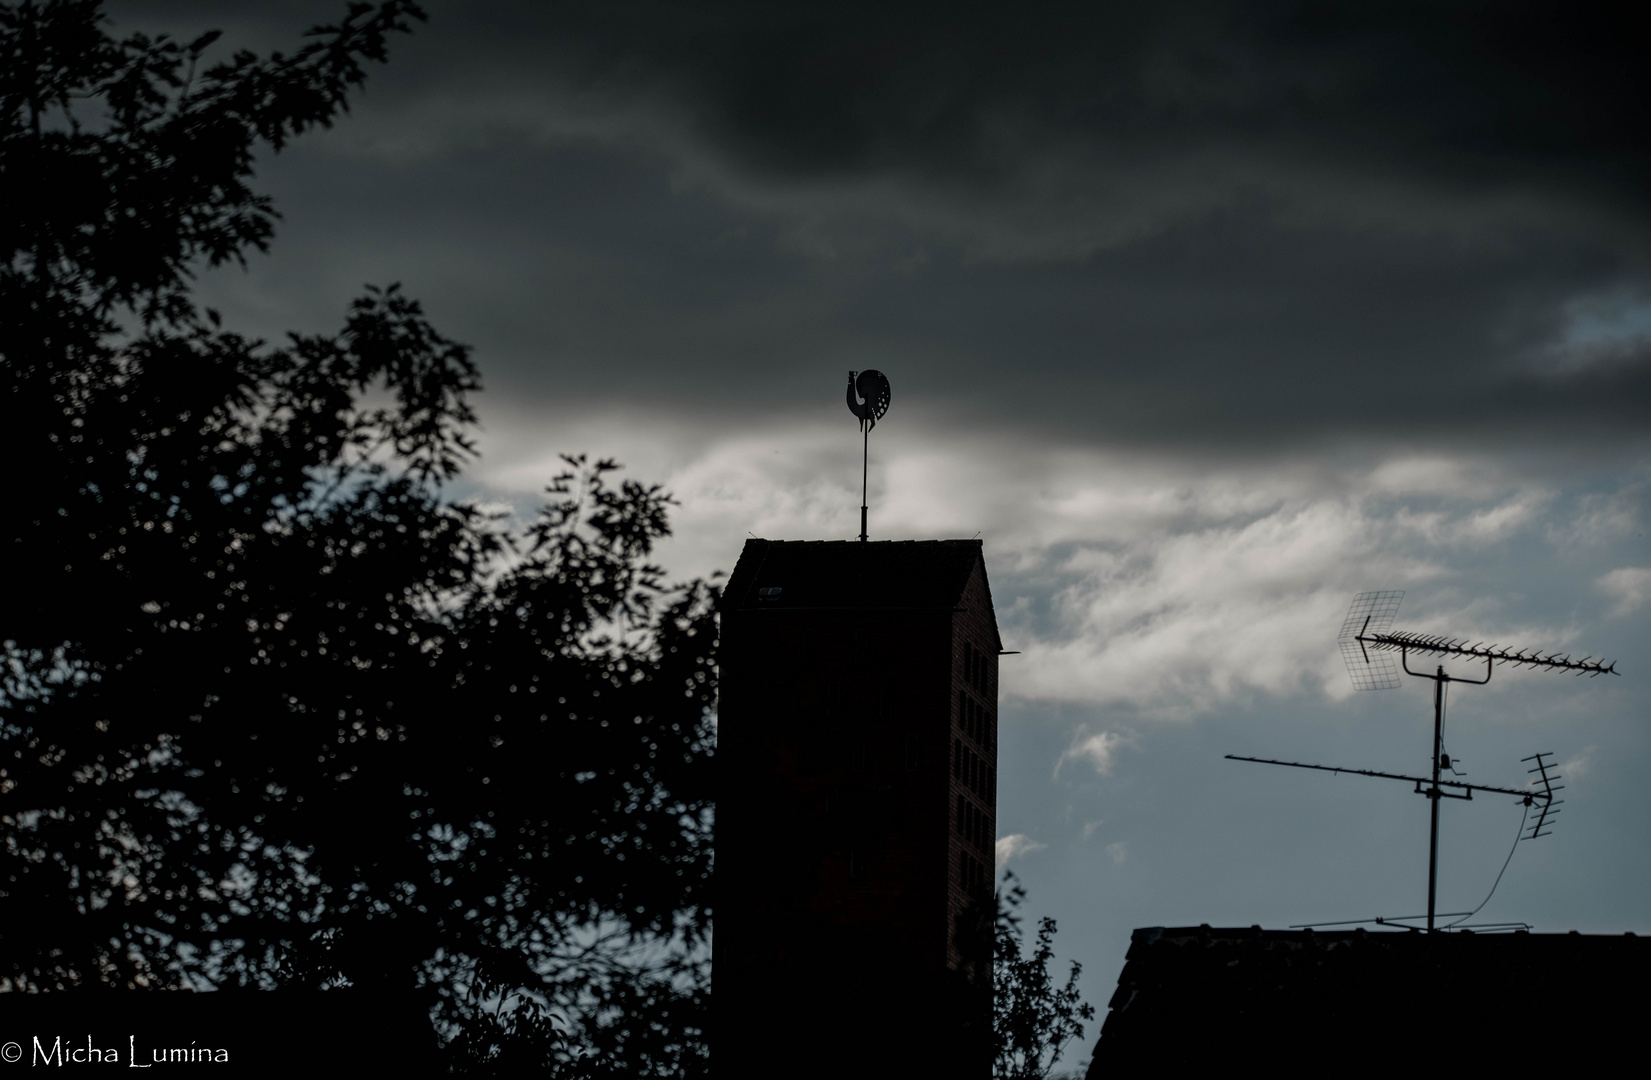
(857, 751)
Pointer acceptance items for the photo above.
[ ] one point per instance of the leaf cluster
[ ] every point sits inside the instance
(123, 204)
(274, 709)
(1034, 1017)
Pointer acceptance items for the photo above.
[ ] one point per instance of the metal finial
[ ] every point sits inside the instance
(873, 386)
(868, 400)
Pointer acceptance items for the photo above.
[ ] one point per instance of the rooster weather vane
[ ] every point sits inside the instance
(868, 399)
(1367, 647)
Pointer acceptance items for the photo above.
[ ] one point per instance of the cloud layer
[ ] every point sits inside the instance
(1240, 227)
(1166, 587)
(1014, 846)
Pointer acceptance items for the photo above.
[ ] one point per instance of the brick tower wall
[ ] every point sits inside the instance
(855, 817)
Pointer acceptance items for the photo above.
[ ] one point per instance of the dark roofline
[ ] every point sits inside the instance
(1215, 998)
(815, 575)
(1175, 935)
(747, 569)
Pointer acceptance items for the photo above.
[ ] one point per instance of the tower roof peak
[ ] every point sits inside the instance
(855, 575)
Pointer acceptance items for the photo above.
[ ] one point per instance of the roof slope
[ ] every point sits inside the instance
(1336, 999)
(852, 574)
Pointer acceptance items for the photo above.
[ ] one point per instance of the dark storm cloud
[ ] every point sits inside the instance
(1227, 224)
(1467, 90)
(1470, 93)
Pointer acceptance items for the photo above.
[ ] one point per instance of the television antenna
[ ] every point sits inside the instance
(1366, 630)
(872, 386)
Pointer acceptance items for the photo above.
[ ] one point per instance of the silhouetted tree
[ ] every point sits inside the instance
(1033, 1017)
(274, 710)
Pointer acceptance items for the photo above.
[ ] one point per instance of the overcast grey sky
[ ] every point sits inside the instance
(1204, 316)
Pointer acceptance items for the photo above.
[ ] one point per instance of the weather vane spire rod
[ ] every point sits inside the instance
(868, 400)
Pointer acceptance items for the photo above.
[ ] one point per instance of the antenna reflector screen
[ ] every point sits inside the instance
(1372, 613)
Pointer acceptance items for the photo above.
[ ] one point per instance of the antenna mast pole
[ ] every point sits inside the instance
(1433, 793)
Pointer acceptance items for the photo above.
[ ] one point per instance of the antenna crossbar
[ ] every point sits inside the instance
(1468, 789)
(1436, 645)
(1373, 919)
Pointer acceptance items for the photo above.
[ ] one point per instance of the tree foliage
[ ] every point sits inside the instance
(275, 710)
(1034, 1018)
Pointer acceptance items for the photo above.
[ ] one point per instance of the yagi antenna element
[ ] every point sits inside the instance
(1367, 645)
(1371, 613)
(868, 399)
(1367, 628)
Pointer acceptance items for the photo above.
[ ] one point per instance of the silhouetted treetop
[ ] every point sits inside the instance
(123, 201)
(1034, 1017)
(274, 709)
